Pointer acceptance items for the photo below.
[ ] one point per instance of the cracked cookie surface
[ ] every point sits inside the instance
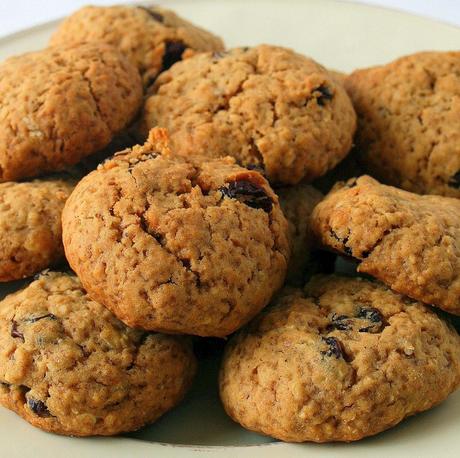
(265, 106)
(153, 38)
(408, 241)
(69, 366)
(61, 104)
(30, 226)
(176, 244)
(408, 131)
(344, 359)
(297, 203)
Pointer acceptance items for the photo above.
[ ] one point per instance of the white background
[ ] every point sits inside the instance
(16, 15)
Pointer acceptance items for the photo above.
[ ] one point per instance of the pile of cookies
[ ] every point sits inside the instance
(181, 183)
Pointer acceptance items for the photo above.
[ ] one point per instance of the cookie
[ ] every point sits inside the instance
(30, 226)
(408, 131)
(62, 104)
(153, 38)
(338, 75)
(266, 106)
(344, 359)
(68, 366)
(176, 244)
(297, 203)
(409, 242)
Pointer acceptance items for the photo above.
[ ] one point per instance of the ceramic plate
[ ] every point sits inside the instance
(342, 36)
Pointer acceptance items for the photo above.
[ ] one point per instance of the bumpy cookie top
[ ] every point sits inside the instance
(408, 113)
(30, 226)
(67, 365)
(297, 203)
(153, 38)
(345, 359)
(265, 105)
(410, 242)
(62, 104)
(176, 244)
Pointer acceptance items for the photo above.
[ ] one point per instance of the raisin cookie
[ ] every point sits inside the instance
(68, 366)
(297, 203)
(30, 226)
(408, 241)
(153, 38)
(176, 244)
(265, 106)
(344, 359)
(59, 105)
(408, 131)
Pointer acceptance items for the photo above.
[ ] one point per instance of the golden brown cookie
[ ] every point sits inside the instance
(59, 105)
(68, 366)
(344, 359)
(176, 244)
(297, 203)
(410, 242)
(408, 132)
(338, 75)
(153, 38)
(265, 106)
(30, 226)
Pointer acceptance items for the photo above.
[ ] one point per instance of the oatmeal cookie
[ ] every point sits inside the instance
(266, 106)
(153, 38)
(68, 366)
(176, 244)
(344, 359)
(30, 226)
(409, 242)
(62, 104)
(408, 132)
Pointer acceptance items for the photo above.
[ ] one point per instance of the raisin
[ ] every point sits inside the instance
(371, 314)
(374, 316)
(173, 53)
(454, 181)
(347, 250)
(248, 193)
(38, 407)
(339, 322)
(335, 348)
(157, 16)
(15, 331)
(38, 318)
(325, 94)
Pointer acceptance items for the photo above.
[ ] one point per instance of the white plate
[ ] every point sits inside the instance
(341, 36)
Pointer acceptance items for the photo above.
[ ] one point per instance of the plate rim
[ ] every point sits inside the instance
(356, 3)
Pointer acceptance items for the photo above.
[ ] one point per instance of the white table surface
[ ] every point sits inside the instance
(16, 15)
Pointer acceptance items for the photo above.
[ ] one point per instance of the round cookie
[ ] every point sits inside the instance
(265, 106)
(176, 244)
(59, 105)
(297, 203)
(345, 359)
(153, 38)
(408, 131)
(338, 75)
(30, 226)
(408, 241)
(68, 366)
